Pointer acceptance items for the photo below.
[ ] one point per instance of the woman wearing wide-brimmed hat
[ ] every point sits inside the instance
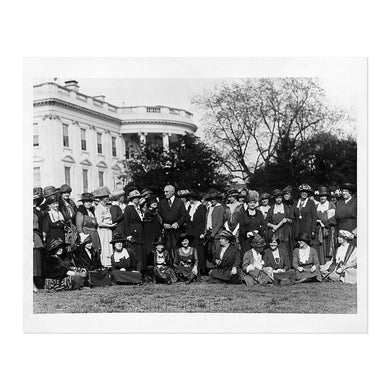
(53, 222)
(325, 240)
(105, 225)
(226, 261)
(186, 259)
(86, 221)
(251, 221)
(133, 225)
(196, 228)
(288, 199)
(38, 247)
(346, 209)
(125, 265)
(59, 271)
(152, 226)
(85, 256)
(163, 263)
(279, 222)
(305, 260)
(253, 266)
(68, 209)
(305, 212)
(343, 267)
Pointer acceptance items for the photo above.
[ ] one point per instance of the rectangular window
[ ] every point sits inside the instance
(99, 143)
(85, 180)
(113, 146)
(37, 177)
(101, 181)
(83, 139)
(35, 135)
(67, 175)
(65, 135)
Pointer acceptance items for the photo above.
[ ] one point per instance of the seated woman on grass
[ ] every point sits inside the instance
(277, 260)
(305, 260)
(186, 260)
(343, 267)
(254, 271)
(59, 271)
(85, 256)
(226, 261)
(125, 265)
(162, 261)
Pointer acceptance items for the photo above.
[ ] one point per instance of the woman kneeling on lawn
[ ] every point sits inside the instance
(125, 265)
(277, 260)
(305, 260)
(343, 268)
(162, 262)
(59, 271)
(253, 264)
(186, 259)
(226, 260)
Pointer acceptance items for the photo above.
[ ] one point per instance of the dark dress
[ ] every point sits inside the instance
(306, 274)
(53, 229)
(346, 214)
(132, 265)
(285, 232)
(69, 210)
(134, 226)
(305, 218)
(152, 230)
(249, 223)
(87, 224)
(282, 263)
(185, 262)
(117, 217)
(222, 273)
(38, 249)
(163, 271)
(195, 228)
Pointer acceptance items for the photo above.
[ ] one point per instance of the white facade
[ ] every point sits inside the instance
(63, 116)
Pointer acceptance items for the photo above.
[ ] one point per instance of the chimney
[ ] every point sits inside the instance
(72, 84)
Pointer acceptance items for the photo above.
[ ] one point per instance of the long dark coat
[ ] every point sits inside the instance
(82, 260)
(152, 230)
(230, 259)
(308, 222)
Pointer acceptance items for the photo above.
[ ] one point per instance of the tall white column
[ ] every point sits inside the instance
(166, 141)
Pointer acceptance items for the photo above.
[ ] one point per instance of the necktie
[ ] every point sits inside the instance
(170, 202)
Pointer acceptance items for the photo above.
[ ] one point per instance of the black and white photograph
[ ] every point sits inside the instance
(199, 194)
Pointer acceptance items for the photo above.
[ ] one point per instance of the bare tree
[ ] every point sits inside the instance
(255, 121)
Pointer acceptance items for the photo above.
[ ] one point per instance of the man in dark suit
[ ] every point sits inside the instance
(174, 215)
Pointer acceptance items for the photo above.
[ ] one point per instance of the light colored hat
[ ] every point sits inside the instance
(252, 196)
(346, 234)
(102, 192)
(305, 188)
(117, 194)
(134, 194)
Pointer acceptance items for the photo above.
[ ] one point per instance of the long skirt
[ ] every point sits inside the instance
(184, 273)
(258, 276)
(286, 275)
(307, 275)
(105, 236)
(99, 277)
(224, 276)
(325, 243)
(165, 274)
(37, 261)
(67, 283)
(128, 277)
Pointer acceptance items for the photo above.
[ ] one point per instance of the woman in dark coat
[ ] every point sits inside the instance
(346, 210)
(116, 211)
(279, 222)
(134, 227)
(152, 226)
(251, 221)
(68, 209)
(53, 223)
(226, 261)
(305, 213)
(85, 219)
(38, 248)
(305, 260)
(60, 271)
(85, 256)
(196, 228)
(163, 263)
(125, 265)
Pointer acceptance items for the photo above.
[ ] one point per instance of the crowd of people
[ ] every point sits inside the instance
(235, 237)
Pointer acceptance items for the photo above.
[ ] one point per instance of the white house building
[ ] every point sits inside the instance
(80, 140)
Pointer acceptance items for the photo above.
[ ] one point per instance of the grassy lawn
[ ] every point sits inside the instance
(334, 298)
